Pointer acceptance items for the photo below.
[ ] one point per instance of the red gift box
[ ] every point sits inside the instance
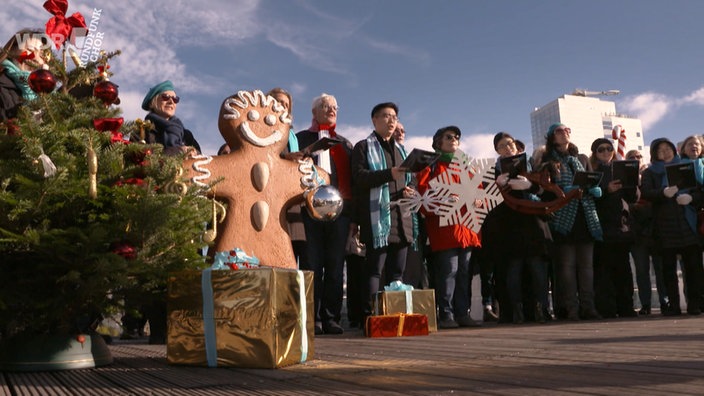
(396, 325)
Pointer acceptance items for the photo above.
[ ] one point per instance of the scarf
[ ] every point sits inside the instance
(658, 168)
(19, 77)
(445, 157)
(340, 158)
(379, 197)
(292, 141)
(563, 220)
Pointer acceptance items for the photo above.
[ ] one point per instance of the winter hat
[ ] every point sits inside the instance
(441, 131)
(499, 136)
(599, 142)
(554, 126)
(654, 148)
(156, 90)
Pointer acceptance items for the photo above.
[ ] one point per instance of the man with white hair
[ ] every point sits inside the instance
(326, 240)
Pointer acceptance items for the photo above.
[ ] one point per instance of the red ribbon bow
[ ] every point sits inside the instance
(26, 55)
(112, 125)
(59, 27)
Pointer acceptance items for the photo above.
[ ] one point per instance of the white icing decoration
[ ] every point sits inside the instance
(309, 179)
(201, 160)
(253, 115)
(230, 112)
(256, 140)
(270, 120)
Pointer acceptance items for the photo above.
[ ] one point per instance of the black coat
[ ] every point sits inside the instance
(670, 227)
(613, 210)
(10, 98)
(364, 179)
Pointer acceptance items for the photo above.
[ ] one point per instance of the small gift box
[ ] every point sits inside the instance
(407, 301)
(252, 318)
(397, 325)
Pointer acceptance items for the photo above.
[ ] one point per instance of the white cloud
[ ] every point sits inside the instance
(696, 97)
(650, 107)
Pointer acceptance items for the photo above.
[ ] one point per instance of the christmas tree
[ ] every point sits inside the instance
(86, 216)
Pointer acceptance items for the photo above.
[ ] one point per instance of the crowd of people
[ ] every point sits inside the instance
(571, 262)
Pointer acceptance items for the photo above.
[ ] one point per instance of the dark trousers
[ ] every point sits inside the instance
(613, 279)
(694, 273)
(390, 260)
(356, 287)
(326, 258)
(642, 256)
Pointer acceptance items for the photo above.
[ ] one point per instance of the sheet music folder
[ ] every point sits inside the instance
(319, 145)
(626, 171)
(681, 175)
(419, 159)
(514, 165)
(586, 180)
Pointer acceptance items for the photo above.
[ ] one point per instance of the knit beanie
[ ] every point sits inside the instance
(441, 131)
(599, 142)
(156, 90)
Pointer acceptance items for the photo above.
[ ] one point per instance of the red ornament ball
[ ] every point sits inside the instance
(124, 249)
(41, 81)
(106, 91)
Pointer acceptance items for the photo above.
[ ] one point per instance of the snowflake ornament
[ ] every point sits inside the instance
(462, 195)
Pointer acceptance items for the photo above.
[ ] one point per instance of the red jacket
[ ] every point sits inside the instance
(447, 237)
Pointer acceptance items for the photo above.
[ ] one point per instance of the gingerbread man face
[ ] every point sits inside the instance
(254, 120)
(256, 183)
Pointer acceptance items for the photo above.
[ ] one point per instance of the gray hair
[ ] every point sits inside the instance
(318, 101)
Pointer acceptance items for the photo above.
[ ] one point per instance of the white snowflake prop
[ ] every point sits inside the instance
(462, 195)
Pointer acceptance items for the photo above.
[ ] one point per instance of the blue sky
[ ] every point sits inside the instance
(480, 65)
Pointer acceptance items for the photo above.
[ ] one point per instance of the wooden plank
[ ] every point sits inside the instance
(643, 356)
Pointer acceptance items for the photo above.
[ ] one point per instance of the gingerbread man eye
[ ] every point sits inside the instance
(253, 115)
(270, 120)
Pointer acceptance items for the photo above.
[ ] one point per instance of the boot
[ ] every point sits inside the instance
(518, 313)
(539, 313)
(489, 314)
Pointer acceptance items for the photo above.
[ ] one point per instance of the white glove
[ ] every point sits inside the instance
(684, 199)
(520, 183)
(670, 191)
(502, 179)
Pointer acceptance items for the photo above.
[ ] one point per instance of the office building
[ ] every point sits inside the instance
(589, 118)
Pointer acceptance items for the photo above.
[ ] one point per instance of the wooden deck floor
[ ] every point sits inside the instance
(644, 356)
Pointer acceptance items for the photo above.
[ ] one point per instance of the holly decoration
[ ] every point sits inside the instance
(42, 81)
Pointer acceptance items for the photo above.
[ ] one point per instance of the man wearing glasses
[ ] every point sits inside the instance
(379, 181)
(325, 241)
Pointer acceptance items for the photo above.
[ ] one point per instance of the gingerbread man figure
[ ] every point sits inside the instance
(257, 184)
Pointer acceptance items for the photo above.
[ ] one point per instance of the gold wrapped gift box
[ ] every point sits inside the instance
(414, 301)
(254, 318)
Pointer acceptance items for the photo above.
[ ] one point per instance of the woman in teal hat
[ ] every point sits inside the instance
(161, 102)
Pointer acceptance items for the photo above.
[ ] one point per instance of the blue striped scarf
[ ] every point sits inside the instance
(379, 198)
(563, 220)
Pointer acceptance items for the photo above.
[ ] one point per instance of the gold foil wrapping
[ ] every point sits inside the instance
(393, 302)
(257, 316)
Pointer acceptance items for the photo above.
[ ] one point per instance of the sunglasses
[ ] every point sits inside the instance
(563, 130)
(604, 148)
(452, 137)
(635, 157)
(166, 97)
